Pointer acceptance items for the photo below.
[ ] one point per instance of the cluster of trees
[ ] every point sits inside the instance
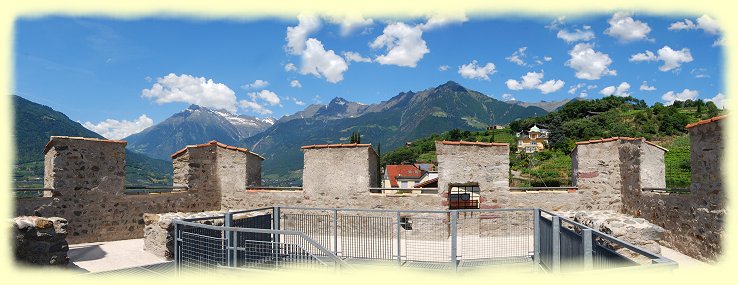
(617, 116)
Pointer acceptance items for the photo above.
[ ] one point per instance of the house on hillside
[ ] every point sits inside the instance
(495, 127)
(533, 140)
(408, 175)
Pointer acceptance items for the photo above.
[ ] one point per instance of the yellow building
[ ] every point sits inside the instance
(533, 140)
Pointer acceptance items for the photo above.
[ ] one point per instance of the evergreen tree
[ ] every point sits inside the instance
(355, 137)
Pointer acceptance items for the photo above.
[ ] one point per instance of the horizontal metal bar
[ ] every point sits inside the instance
(251, 210)
(545, 188)
(363, 210)
(397, 188)
(274, 187)
(155, 187)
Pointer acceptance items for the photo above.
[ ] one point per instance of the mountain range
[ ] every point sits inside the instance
(392, 123)
(195, 125)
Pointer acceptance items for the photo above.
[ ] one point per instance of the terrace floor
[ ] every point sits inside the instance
(127, 258)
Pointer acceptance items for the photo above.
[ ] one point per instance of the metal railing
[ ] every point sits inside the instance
(400, 191)
(153, 189)
(288, 237)
(274, 188)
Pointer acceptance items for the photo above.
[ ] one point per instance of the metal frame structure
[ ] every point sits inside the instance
(302, 237)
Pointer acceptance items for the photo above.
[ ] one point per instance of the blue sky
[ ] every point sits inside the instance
(120, 76)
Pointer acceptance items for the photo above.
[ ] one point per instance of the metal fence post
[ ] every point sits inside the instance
(275, 222)
(536, 237)
(454, 217)
(556, 240)
(335, 232)
(399, 237)
(587, 240)
(230, 240)
(176, 254)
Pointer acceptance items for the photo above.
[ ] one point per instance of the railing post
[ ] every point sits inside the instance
(536, 238)
(177, 256)
(230, 240)
(587, 240)
(275, 222)
(335, 232)
(556, 240)
(454, 260)
(399, 237)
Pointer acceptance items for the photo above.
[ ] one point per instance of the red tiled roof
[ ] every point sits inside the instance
(710, 120)
(51, 140)
(620, 138)
(426, 183)
(473, 143)
(402, 171)
(216, 143)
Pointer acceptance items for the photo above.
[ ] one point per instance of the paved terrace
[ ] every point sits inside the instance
(127, 257)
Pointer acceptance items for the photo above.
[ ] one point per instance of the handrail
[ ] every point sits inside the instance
(325, 251)
(623, 243)
(284, 188)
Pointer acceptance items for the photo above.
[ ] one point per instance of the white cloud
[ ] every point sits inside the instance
(551, 86)
(699, 73)
(114, 129)
(532, 80)
(295, 100)
(290, 67)
(686, 94)
(353, 56)
(295, 83)
(319, 62)
(583, 95)
(556, 23)
(518, 56)
(620, 91)
(574, 88)
(297, 35)
(672, 58)
(547, 58)
(352, 23)
(576, 36)
(705, 23)
(254, 107)
(473, 71)
(588, 63)
(443, 68)
(257, 84)
(508, 97)
(437, 21)
(645, 87)
(193, 90)
(148, 78)
(719, 42)
(719, 100)
(270, 97)
(404, 45)
(625, 28)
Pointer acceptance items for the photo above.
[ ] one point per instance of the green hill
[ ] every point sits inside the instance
(35, 123)
(577, 121)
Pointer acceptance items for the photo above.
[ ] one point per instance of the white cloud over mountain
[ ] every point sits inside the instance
(474, 71)
(193, 90)
(620, 91)
(115, 129)
(533, 80)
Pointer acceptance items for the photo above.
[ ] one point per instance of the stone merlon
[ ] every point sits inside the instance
(54, 139)
(618, 138)
(474, 143)
(706, 121)
(213, 142)
(339, 145)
